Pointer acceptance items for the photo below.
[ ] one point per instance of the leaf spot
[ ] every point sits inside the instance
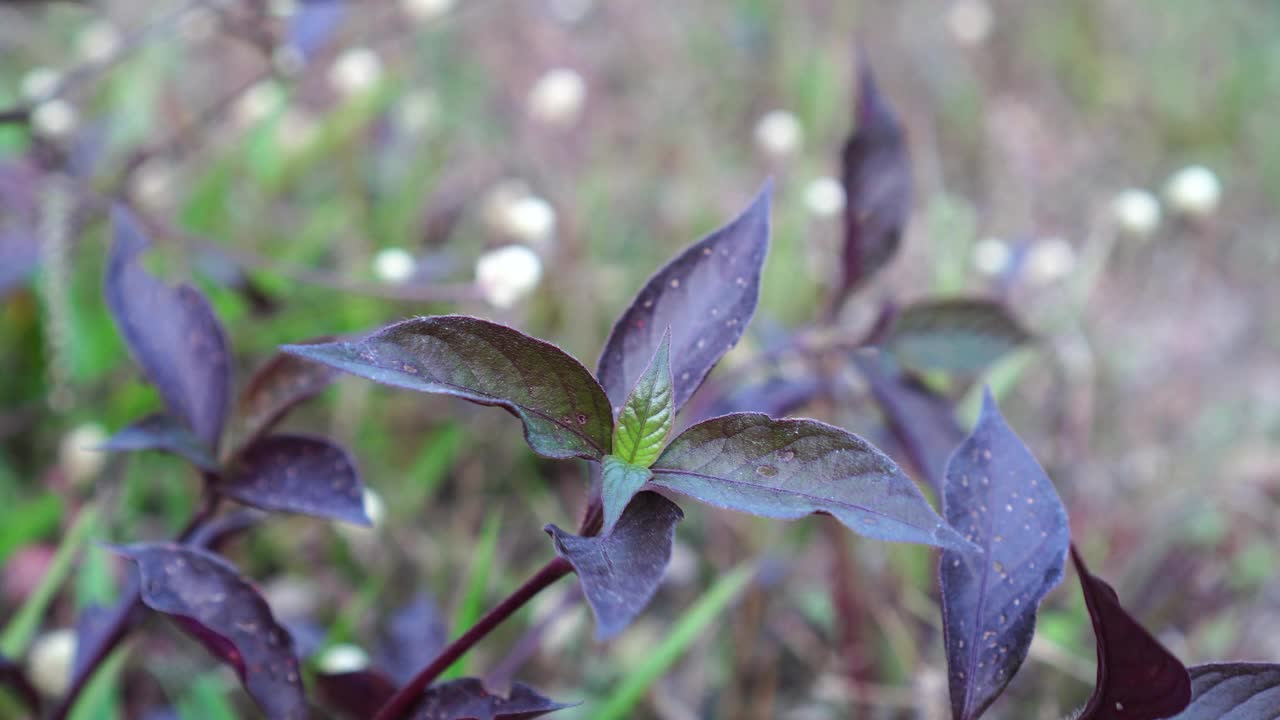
(767, 470)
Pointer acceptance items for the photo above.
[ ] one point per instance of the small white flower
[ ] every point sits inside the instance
(394, 265)
(498, 201)
(342, 658)
(970, 22)
(49, 662)
(1136, 211)
(258, 103)
(418, 111)
(355, 71)
(40, 83)
(374, 508)
(571, 11)
(199, 24)
(531, 220)
(825, 197)
(1194, 191)
(778, 134)
(98, 41)
(557, 97)
(1050, 260)
(508, 274)
(152, 184)
(55, 119)
(991, 256)
(78, 453)
(426, 10)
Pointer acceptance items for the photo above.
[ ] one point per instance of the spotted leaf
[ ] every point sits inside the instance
(299, 474)
(466, 699)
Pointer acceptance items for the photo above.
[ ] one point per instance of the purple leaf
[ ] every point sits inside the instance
(171, 332)
(357, 694)
(776, 396)
(415, 635)
(276, 388)
(1233, 691)
(565, 413)
(1138, 679)
(93, 625)
(164, 432)
(209, 598)
(876, 171)
(299, 474)
(466, 699)
(706, 296)
(621, 571)
(958, 336)
(12, 677)
(792, 468)
(997, 494)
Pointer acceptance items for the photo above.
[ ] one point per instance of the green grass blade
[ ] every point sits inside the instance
(22, 628)
(472, 605)
(29, 521)
(101, 697)
(206, 699)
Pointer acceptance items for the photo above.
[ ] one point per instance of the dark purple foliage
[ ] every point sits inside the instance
(357, 694)
(172, 333)
(300, 474)
(876, 171)
(706, 295)
(620, 572)
(961, 336)
(276, 388)
(12, 677)
(791, 468)
(209, 598)
(164, 432)
(92, 626)
(466, 699)
(414, 636)
(1138, 679)
(776, 396)
(1233, 691)
(565, 413)
(999, 497)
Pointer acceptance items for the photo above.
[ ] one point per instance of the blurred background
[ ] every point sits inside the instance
(1110, 168)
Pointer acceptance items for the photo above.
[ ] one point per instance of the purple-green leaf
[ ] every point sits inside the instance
(275, 388)
(207, 596)
(648, 415)
(997, 494)
(620, 481)
(620, 572)
(164, 432)
(466, 699)
(171, 332)
(791, 468)
(876, 171)
(1138, 679)
(564, 411)
(958, 336)
(298, 474)
(706, 296)
(1233, 691)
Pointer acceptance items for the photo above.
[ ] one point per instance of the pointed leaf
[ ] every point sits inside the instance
(275, 388)
(1233, 691)
(959, 336)
(706, 296)
(621, 572)
(171, 332)
(358, 694)
(791, 468)
(648, 415)
(300, 474)
(1138, 679)
(876, 171)
(164, 432)
(620, 482)
(466, 699)
(997, 494)
(209, 599)
(565, 413)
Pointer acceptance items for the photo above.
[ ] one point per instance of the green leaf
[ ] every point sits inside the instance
(649, 414)
(471, 607)
(958, 336)
(24, 624)
(565, 412)
(621, 481)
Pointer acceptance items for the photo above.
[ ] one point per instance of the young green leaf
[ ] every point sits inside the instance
(620, 481)
(300, 474)
(792, 468)
(997, 494)
(163, 432)
(959, 336)
(647, 417)
(1233, 691)
(467, 699)
(706, 296)
(564, 410)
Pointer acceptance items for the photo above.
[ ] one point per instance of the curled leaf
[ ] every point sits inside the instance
(620, 572)
(163, 432)
(300, 474)
(275, 388)
(959, 336)
(706, 296)
(997, 494)
(1233, 691)
(791, 468)
(466, 699)
(564, 411)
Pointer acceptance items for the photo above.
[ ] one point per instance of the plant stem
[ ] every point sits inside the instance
(411, 693)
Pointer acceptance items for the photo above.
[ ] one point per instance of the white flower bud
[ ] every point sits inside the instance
(970, 21)
(778, 134)
(363, 538)
(152, 184)
(54, 119)
(40, 83)
(394, 265)
(79, 455)
(418, 111)
(825, 197)
(49, 662)
(508, 274)
(1050, 260)
(531, 220)
(374, 508)
(426, 10)
(557, 97)
(991, 256)
(342, 658)
(1136, 211)
(355, 71)
(498, 201)
(258, 103)
(1194, 191)
(98, 41)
